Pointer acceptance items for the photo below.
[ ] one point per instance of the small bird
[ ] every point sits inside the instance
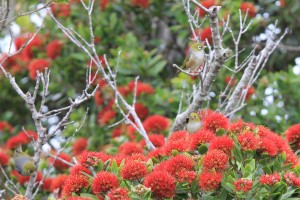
(195, 59)
(194, 123)
(23, 163)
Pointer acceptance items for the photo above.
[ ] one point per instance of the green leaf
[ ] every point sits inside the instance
(288, 194)
(91, 196)
(202, 149)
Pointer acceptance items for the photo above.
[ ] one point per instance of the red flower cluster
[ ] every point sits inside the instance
(141, 110)
(181, 167)
(79, 170)
(130, 148)
(215, 160)
(215, 121)
(248, 141)
(5, 126)
(179, 141)
(248, 7)
(292, 179)
(104, 181)
(118, 194)
(223, 143)
(293, 135)
(206, 35)
(133, 170)
(37, 64)
(53, 49)
(141, 88)
(140, 3)
(88, 158)
(243, 185)
(206, 4)
(61, 9)
(106, 115)
(201, 137)
(162, 184)
(79, 146)
(103, 4)
(74, 184)
(59, 164)
(156, 124)
(4, 159)
(58, 182)
(158, 140)
(20, 139)
(269, 179)
(209, 180)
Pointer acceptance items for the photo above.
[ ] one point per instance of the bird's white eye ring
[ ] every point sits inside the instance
(199, 47)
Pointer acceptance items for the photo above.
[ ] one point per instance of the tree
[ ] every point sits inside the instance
(122, 170)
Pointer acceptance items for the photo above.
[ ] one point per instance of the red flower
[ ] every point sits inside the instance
(291, 157)
(293, 135)
(292, 179)
(61, 9)
(263, 131)
(243, 185)
(201, 137)
(4, 159)
(54, 49)
(37, 64)
(266, 145)
(240, 126)
(250, 7)
(223, 143)
(215, 160)
(60, 164)
(161, 183)
(179, 135)
(157, 153)
(47, 184)
(269, 179)
(58, 182)
(118, 194)
(133, 170)
(181, 167)
(130, 148)
(158, 140)
(141, 110)
(88, 158)
(28, 135)
(79, 146)
(19, 42)
(206, 34)
(179, 141)
(78, 198)
(248, 141)
(103, 182)
(5, 126)
(98, 98)
(215, 121)
(209, 181)
(282, 3)
(35, 45)
(105, 116)
(140, 3)
(156, 123)
(250, 92)
(141, 88)
(15, 141)
(23, 179)
(79, 170)
(207, 4)
(103, 4)
(74, 184)
(227, 80)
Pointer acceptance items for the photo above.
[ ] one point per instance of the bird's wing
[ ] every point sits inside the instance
(186, 60)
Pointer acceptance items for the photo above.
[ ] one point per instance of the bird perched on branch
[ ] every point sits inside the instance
(194, 123)
(195, 59)
(24, 164)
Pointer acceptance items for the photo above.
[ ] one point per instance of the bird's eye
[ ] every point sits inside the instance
(199, 47)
